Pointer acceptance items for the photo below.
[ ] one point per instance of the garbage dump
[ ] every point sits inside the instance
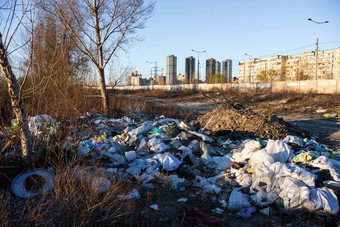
(273, 168)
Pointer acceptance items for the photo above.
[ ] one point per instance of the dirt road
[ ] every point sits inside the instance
(326, 131)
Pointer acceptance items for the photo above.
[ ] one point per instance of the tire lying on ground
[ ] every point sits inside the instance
(18, 184)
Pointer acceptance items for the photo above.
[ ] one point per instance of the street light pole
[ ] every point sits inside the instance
(317, 45)
(249, 66)
(198, 62)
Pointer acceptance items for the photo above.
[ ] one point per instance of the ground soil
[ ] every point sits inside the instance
(237, 122)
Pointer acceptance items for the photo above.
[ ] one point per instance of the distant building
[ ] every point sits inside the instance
(135, 79)
(227, 70)
(158, 80)
(190, 69)
(210, 68)
(293, 67)
(181, 79)
(218, 67)
(171, 69)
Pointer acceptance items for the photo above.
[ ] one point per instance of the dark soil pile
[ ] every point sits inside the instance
(237, 122)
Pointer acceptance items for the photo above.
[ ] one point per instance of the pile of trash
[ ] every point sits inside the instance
(244, 176)
(290, 174)
(243, 123)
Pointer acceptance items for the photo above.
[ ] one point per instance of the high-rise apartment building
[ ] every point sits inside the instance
(227, 70)
(210, 68)
(218, 67)
(171, 69)
(190, 69)
(292, 67)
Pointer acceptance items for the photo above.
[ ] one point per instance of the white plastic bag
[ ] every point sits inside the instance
(238, 200)
(279, 150)
(293, 139)
(222, 162)
(157, 145)
(293, 192)
(332, 165)
(322, 199)
(168, 161)
(248, 150)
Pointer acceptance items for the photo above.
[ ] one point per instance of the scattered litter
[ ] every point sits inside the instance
(321, 111)
(130, 155)
(168, 161)
(202, 130)
(41, 123)
(83, 151)
(212, 188)
(217, 210)
(157, 145)
(205, 138)
(266, 211)
(154, 206)
(330, 115)
(245, 212)
(134, 194)
(276, 167)
(176, 183)
(184, 200)
(238, 200)
(333, 166)
(333, 184)
(322, 199)
(223, 203)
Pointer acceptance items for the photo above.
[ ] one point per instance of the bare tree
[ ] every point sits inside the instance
(12, 16)
(118, 73)
(268, 75)
(102, 27)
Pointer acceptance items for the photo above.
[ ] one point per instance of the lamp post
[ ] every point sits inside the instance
(317, 46)
(198, 62)
(249, 66)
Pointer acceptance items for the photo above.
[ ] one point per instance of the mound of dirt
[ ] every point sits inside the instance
(237, 122)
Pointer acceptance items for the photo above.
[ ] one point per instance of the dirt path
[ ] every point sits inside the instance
(327, 131)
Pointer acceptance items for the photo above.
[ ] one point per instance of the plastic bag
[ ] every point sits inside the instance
(332, 165)
(279, 150)
(157, 145)
(293, 192)
(322, 199)
(168, 161)
(248, 150)
(238, 200)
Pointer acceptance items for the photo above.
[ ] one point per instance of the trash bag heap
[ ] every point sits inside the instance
(244, 176)
(286, 173)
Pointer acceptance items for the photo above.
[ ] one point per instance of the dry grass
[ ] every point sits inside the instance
(72, 202)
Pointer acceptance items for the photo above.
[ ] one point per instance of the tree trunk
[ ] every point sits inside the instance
(100, 66)
(103, 92)
(17, 105)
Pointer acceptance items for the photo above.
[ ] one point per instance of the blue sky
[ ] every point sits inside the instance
(230, 28)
